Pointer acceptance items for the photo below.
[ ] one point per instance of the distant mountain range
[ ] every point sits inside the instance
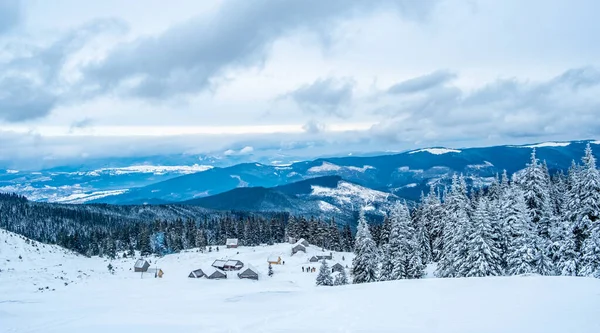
(326, 185)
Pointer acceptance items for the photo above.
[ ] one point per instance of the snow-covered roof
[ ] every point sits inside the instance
(140, 263)
(208, 271)
(231, 241)
(232, 262)
(300, 242)
(250, 267)
(219, 263)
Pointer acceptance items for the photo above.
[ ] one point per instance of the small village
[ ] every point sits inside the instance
(230, 267)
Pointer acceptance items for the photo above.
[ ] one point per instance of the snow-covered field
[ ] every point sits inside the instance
(96, 301)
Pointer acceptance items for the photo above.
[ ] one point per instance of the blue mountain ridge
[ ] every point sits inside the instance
(404, 175)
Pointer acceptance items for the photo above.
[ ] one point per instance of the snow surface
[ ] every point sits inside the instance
(96, 301)
(325, 167)
(435, 151)
(347, 193)
(327, 207)
(485, 164)
(242, 183)
(548, 144)
(79, 198)
(363, 169)
(155, 169)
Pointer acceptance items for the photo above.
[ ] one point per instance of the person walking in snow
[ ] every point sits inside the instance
(302, 269)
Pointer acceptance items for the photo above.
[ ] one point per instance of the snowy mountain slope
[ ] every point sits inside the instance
(30, 266)
(81, 186)
(289, 301)
(325, 196)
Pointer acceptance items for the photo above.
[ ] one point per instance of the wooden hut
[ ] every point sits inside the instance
(274, 259)
(248, 272)
(231, 243)
(219, 263)
(233, 265)
(319, 257)
(141, 265)
(196, 274)
(215, 274)
(302, 241)
(297, 248)
(337, 268)
(291, 240)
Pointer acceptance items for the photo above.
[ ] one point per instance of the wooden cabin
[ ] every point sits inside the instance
(249, 272)
(274, 260)
(303, 242)
(233, 265)
(141, 265)
(319, 257)
(297, 248)
(219, 263)
(215, 274)
(196, 274)
(337, 268)
(231, 243)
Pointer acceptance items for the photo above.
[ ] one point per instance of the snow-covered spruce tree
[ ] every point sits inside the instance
(387, 264)
(422, 236)
(433, 222)
(536, 187)
(270, 270)
(403, 256)
(564, 254)
(519, 233)
(324, 277)
(364, 264)
(591, 253)
(483, 258)
(200, 239)
(456, 220)
(588, 211)
(341, 278)
(542, 262)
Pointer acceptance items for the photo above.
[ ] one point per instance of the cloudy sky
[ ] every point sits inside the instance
(90, 79)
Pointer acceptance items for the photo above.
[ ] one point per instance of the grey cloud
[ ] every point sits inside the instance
(324, 96)
(314, 127)
(186, 57)
(10, 14)
(31, 84)
(563, 106)
(83, 123)
(422, 83)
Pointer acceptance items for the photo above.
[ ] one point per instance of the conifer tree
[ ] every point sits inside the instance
(519, 233)
(324, 278)
(483, 258)
(456, 221)
(341, 278)
(364, 264)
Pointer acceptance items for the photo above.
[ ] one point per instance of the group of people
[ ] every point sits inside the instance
(309, 269)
